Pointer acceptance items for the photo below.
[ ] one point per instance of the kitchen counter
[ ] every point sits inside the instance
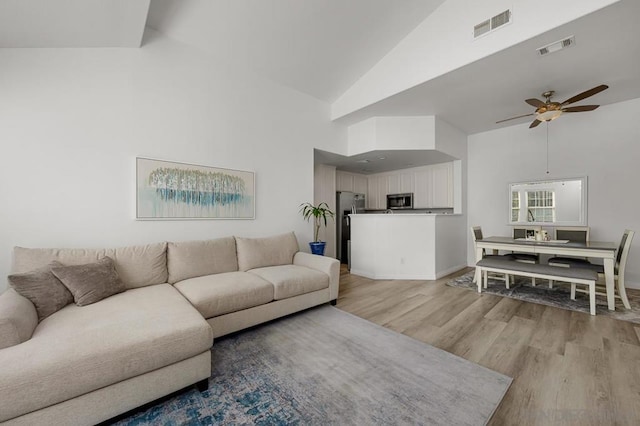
(407, 245)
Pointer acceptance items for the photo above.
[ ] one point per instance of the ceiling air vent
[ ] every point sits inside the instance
(491, 24)
(556, 45)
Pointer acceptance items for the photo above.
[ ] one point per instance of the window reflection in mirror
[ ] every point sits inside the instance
(561, 202)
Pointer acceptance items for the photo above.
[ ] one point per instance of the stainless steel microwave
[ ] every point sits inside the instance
(400, 201)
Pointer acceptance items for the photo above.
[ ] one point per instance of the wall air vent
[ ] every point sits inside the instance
(482, 28)
(556, 45)
(501, 19)
(491, 24)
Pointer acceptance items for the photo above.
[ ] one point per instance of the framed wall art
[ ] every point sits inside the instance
(171, 190)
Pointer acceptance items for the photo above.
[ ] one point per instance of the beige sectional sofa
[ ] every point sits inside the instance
(87, 364)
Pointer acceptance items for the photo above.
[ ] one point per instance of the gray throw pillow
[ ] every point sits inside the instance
(43, 289)
(91, 282)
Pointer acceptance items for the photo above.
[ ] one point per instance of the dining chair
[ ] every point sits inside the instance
(521, 232)
(476, 232)
(575, 234)
(618, 270)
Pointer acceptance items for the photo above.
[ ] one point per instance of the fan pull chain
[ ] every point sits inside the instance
(547, 123)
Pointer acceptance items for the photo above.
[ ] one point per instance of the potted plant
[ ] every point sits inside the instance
(320, 213)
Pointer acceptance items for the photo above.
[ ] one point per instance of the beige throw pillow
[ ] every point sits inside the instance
(43, 289)
(91, 282)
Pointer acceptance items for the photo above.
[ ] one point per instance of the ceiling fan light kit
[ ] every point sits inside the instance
(548, 110)
(548, 115)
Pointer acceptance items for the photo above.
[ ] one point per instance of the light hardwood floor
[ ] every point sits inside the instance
(567, 367)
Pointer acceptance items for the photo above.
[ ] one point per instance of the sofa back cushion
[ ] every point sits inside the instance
(189, 259)
(270, 251)
(137, 266)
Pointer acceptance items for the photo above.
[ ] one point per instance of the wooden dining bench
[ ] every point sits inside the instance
(556, 273)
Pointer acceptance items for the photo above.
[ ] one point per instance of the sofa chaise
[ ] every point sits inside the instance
(87, 364)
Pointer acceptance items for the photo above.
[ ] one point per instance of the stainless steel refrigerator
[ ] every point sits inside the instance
(346, 203)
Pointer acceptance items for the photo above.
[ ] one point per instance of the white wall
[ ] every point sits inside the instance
(324, 191)
(450, 244)
(72, 122)
(603, 145)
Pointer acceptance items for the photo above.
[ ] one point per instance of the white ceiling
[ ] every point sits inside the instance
(72, 23)
(318, 47)
(474, 97)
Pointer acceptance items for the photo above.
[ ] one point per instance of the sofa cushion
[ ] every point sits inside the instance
(138, 266)
(43, 289)
(220, 294)
(270, 251)
(190, 259)
(91, 282)
(81, 349)
(18, 319)
(292, 280)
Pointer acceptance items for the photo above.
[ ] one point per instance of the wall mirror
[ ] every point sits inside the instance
(559, 202)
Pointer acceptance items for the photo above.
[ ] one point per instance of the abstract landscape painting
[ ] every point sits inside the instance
(169, 190)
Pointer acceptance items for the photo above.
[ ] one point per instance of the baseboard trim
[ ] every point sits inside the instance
(449, 271)
(429, 277)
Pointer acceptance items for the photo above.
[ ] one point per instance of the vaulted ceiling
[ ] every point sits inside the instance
(316, 47)
(72, 23)
(322, 48)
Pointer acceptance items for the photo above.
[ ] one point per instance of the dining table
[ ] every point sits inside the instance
(590, 249)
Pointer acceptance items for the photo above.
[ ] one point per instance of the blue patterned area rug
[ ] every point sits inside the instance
(325, 366)
(558, 297)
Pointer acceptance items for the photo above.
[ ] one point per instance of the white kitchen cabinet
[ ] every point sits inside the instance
(372, 192)
(344, 181)
(407, 182)
(377, 190)
(422, 192)
(360, 184)
(383, 190)
(442, 185)
(394, 183)
(432, 186)
(351, 182)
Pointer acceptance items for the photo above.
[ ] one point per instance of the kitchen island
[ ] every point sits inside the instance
(407, 245)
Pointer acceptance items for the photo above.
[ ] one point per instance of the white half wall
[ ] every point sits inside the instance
(384, 133)
(72, 122)
(603, 145)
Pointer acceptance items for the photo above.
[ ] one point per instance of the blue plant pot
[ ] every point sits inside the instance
(318, 247)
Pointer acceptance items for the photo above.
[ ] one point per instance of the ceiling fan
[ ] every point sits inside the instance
(547, 111)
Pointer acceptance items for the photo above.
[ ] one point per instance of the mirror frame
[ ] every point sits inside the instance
(583, 203)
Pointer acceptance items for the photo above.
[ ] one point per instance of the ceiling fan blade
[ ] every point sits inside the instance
(585, 94)
(535, 102)
(580, 108)
(534, 123)
(513, 118)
